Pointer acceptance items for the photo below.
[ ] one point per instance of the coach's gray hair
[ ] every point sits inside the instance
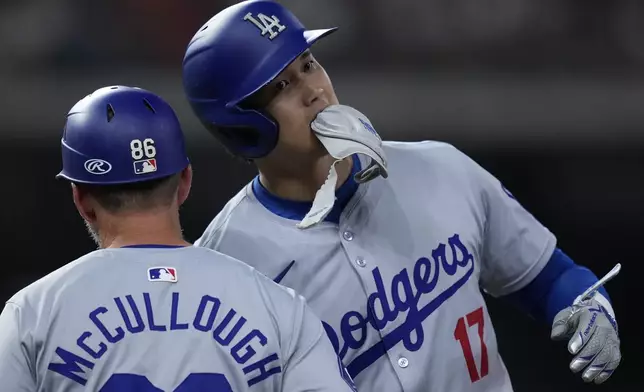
(93, 233)
(136, 196)
(140, 196)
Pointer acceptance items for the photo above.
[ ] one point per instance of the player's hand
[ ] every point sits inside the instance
(593, 339)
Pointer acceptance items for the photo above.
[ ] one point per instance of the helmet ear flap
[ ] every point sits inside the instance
(249, 133)
(235, 138)
(242, 141)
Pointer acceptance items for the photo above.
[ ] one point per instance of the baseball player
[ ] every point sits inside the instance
(148, 311)
(390, 242)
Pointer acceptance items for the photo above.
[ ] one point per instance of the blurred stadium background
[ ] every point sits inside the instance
(546, 94)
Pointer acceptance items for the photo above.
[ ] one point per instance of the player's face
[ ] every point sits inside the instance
(293, 99)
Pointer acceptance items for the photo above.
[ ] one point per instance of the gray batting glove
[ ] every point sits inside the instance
(592, 331)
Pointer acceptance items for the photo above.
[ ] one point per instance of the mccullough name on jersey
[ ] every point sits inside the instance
(140, 317)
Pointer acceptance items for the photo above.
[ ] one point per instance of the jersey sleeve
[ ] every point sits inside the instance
(309, 361)
(515, 246)
(208, 238)
(313, 364)
(16, 372)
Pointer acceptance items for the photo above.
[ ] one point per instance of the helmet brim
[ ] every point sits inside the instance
(313, 35)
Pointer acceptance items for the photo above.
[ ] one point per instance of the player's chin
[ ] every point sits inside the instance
(317, 148)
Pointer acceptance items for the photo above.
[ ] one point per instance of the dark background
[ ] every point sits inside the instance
(546, 94)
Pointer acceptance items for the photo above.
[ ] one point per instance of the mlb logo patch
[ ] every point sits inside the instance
(145, 166)
(162, 274)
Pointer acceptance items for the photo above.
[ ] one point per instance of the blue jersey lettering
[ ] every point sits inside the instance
(404, 298)
(140, 317)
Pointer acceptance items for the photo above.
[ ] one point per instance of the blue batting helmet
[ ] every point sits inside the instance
(119, 135)
(232, 56)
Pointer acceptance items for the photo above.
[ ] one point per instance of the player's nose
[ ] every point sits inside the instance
(313, 95)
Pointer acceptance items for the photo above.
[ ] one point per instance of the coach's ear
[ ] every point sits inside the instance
(185, 183)
(83, 204)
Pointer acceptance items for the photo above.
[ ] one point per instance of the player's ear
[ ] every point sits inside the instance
(83, 204)
(185, 183)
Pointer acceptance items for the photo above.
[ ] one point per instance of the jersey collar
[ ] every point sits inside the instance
(297, 210)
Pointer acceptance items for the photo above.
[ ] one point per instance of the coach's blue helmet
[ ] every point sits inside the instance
(120, 135)
(232, 56)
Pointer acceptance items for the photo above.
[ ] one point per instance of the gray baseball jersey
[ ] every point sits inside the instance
(163, 319)
(397, 279)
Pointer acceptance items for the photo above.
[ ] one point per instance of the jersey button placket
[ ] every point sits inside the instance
(403, 362)
(348, 236)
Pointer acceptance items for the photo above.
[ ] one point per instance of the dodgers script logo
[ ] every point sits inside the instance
(405, 291)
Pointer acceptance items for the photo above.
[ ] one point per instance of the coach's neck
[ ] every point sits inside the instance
(139, 214)
(140, 228)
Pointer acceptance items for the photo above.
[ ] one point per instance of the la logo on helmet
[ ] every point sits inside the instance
(266, 24)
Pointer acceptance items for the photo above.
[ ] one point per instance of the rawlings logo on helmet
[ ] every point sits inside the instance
(97, 166)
